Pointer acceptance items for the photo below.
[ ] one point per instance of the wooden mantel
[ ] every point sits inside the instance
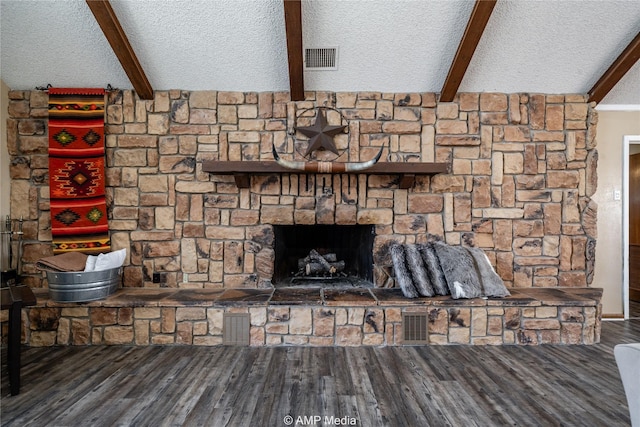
(242, 171)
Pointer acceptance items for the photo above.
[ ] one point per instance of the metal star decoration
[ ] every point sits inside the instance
(321, 134)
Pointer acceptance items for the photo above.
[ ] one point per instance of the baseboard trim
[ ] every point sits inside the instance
(610, 316)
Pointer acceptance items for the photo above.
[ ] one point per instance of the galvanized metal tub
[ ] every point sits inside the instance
(76, 286)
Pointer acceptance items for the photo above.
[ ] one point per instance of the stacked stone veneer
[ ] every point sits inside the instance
(131, 318)
(523, 169)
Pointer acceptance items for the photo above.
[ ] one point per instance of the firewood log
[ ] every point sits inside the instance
(302, 262)
(316, 257)
(315, 268)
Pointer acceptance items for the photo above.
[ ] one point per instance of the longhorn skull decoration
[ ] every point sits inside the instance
(326, 167)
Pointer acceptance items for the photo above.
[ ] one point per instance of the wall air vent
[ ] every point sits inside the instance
(236, 329)
(317, 59)
(414, 328)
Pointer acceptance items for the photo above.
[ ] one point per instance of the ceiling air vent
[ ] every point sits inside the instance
(325, 58)
(414, 328)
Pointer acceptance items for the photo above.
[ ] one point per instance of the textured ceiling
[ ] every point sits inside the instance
(384, 45)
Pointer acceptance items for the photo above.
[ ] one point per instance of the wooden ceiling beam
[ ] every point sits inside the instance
(616, 71)
(108, 22)
(475, 27)
(293, 25)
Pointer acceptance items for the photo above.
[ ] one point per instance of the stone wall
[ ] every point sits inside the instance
(372, 317)
(523, 170)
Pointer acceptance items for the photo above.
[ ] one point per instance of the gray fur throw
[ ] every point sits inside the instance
(492, 284)
(440, 269)
(460, 270)
(416, 266)
(403, 277)
(434, 271)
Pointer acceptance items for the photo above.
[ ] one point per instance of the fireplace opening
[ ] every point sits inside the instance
(324, 255)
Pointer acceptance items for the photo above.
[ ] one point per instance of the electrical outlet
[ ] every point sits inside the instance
(617, 195)
(159, 278)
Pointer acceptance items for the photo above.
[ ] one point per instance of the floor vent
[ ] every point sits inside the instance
(321, 58)
(236, 329)
(414, 328)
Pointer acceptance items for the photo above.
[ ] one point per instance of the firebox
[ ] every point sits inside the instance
(324, 255)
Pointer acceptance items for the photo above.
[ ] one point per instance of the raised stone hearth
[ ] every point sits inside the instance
(316, 317)
(519, 173)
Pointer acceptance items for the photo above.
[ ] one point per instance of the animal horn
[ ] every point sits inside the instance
(287, 163)
(325, 167)
(354, 167)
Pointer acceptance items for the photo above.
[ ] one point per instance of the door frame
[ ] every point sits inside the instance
(626, 150)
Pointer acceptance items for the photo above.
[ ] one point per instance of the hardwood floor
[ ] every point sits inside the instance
(241, 386)
(634, 309)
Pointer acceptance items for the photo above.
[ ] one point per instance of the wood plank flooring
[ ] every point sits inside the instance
(634, 309)
(403, 386)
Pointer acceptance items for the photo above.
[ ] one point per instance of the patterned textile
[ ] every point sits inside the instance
(76, 171)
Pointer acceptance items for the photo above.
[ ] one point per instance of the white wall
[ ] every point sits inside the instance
(4, 153)
(612, 127)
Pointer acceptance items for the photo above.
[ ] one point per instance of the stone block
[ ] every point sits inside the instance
(493, 101)
(576, 111)
(541, 323)
(101, 316)
(494, 325)
(258, 316)
(375, 216)
(323, 322)
(563, 179)
(46, 339)
(74, 312)
(425, 203)
(571, 314)
(550, 337)
(449, 110)
(349, 335)
(479, 322)
(546, 312)
(44, 319)
(141, 332)
(162, 339)
(277, 328)
(457, 140)
(146, 312)
(513, 163)
(401, 127)
(459, 336)
(459, 317)
(230, 97)
(571, 333)
(300, 322)
(190, 313)
(118, 335)
(468, 101)
(451, 127)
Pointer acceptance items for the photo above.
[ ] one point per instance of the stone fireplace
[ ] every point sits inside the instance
(350, 247)
(522, 170)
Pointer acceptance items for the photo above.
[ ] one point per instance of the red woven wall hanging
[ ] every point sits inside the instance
(76, 171)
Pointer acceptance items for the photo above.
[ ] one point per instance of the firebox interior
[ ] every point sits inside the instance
(352, 244)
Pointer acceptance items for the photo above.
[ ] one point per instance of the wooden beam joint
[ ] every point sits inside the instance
(616, 71)
(293, 25)
(475, 27)
(115, 35)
